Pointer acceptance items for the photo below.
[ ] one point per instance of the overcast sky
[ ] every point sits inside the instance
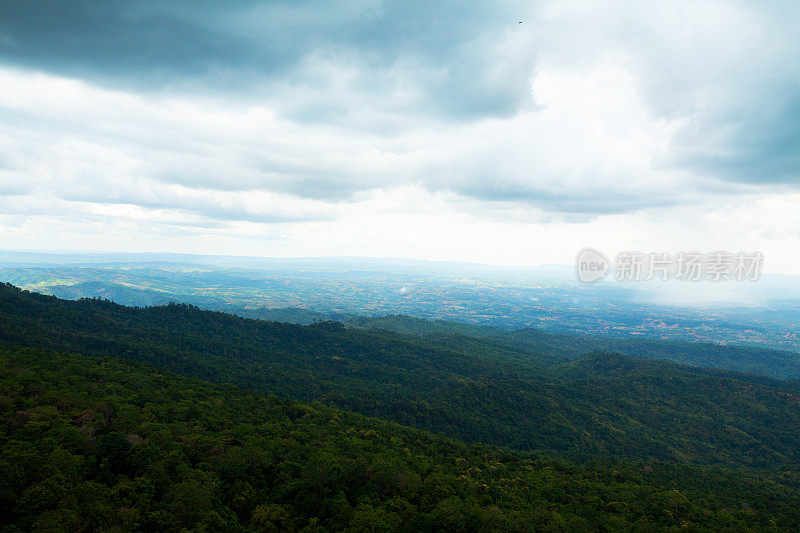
(508, 132)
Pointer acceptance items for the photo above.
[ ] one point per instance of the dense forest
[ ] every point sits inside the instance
(473, 390)
(174, 418)
(102, 444)
(782, 364)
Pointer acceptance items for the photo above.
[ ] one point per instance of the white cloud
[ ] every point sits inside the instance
(624, 126)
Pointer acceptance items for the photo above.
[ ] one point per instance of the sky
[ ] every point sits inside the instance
(511, 133)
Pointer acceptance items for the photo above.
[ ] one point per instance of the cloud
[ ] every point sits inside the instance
(83, 142)
(288, 121)
(730, 70)
(443, 59)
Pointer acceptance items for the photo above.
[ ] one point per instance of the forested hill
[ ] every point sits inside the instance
(781, 364)
(102, 444)
(603, 405)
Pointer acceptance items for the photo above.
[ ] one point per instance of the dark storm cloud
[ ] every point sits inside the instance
(107, 40)
(755, 142)
(246, 46)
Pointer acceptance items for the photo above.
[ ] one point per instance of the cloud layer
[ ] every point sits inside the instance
(285, 120)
